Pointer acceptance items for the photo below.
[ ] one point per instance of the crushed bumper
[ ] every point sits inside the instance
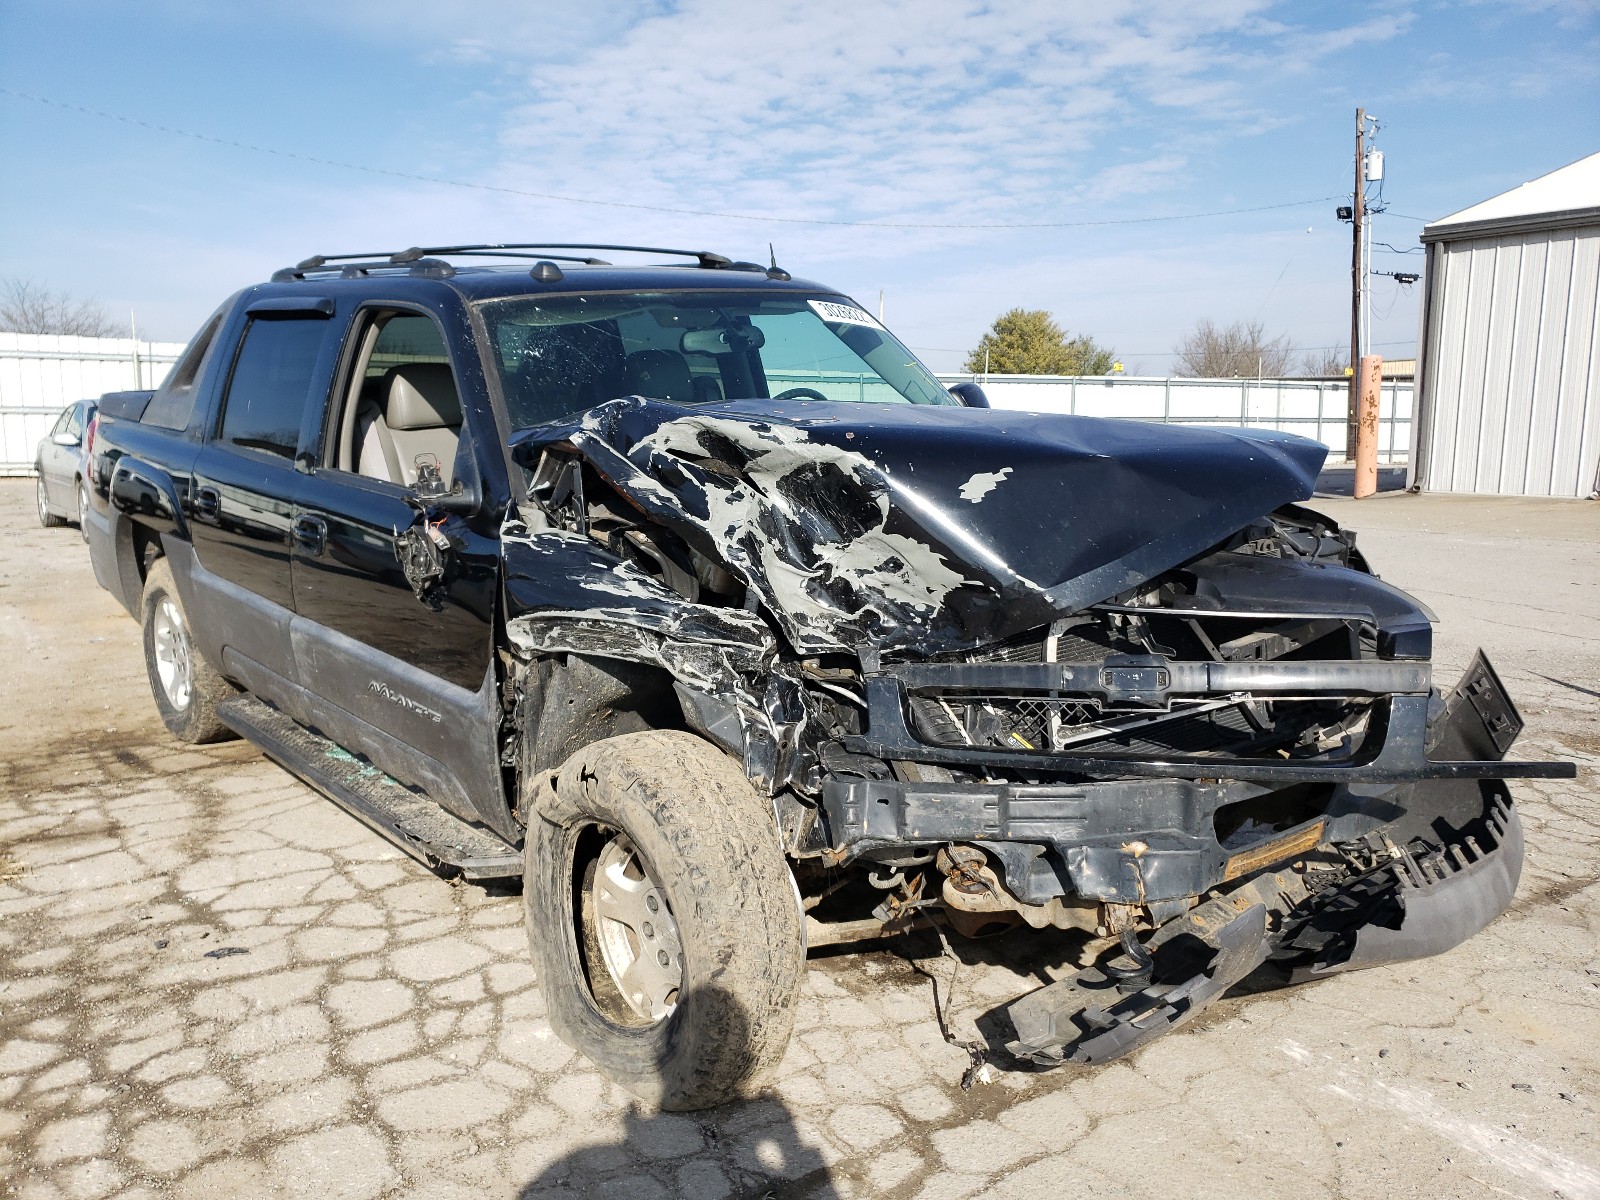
(1417, 849)
(1150, 835)
(1407, 907)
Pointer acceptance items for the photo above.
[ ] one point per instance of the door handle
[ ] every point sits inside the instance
(311, 534)
(207, 503)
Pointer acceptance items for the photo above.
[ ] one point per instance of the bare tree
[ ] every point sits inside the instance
(27, 307)
(1324, 362)
(1240, 351)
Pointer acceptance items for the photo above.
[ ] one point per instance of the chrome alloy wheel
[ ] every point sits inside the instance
(172, 653)
(635, 930)
(44, 501)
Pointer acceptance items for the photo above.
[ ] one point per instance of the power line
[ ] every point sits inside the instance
(684, 212)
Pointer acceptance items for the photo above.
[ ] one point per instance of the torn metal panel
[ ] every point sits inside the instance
(929, 528)
(575, 597)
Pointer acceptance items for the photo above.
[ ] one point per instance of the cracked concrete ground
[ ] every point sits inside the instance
(215, 984)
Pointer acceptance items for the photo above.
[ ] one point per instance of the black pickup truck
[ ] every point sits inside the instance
(687, 594)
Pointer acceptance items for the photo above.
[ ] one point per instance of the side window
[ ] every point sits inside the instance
(401, 408)
(75, 421)
(271, 379)
(173, 404)
(61, 422)
(406, 338)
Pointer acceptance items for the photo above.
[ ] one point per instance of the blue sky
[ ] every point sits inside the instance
(935, 113)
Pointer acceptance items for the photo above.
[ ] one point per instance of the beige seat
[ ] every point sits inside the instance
(420, 414)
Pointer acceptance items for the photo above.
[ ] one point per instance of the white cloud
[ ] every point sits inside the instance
(929, 112)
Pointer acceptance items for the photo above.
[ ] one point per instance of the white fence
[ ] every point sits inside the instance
(1310, 407)
(41, 374)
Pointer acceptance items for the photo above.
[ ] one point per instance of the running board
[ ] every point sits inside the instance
(410, 820)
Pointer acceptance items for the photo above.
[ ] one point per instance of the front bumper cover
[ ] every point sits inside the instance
(1411, 856)
(1150, 836)
(1407, 907)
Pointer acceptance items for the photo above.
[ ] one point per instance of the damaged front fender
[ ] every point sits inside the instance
(575, 598)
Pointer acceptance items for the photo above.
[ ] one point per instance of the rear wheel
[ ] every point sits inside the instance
(83, 510)
(662, 918)
(186, 687)
(47, 518)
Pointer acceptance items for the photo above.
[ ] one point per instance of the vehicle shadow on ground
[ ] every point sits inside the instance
(747, 1149)
(754, 1147)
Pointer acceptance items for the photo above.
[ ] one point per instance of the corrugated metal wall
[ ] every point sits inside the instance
(40, 374)
(1511, 365)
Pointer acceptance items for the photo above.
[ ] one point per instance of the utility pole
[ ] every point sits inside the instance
(1358, 279)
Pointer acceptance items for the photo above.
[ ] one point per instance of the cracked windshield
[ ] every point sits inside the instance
(560, 355)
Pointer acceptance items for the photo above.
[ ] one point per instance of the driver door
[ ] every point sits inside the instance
(410, 677)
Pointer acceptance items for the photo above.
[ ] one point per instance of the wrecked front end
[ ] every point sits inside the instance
(998, 670)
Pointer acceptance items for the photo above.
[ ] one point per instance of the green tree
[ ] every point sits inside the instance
(1027, 341)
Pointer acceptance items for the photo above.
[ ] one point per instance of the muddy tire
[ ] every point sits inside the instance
(41, 498)
(186, 687)
(662, 918)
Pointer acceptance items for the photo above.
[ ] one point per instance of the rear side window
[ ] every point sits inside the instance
(173, 404)
(271, 381)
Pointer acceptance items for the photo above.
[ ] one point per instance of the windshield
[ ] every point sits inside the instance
(559, 355)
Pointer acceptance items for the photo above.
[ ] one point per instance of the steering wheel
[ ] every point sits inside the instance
(801, 393)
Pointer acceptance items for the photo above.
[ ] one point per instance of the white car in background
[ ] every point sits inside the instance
(62, 492)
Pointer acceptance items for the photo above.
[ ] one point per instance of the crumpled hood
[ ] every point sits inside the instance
(893, 527)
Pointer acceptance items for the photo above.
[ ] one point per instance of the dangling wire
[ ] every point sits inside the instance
(978, 1069)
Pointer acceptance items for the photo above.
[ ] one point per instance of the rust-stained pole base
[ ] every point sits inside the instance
(1369, 377)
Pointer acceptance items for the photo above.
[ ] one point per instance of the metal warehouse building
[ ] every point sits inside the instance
(1508, 392)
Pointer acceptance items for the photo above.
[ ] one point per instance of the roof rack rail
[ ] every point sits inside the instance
(330, 263)
(423, 260)
(706, 258)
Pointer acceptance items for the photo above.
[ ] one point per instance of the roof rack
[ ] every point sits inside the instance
(424, 260)
(706, 258)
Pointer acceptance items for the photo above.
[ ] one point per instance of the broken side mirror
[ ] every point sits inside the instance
(463, 497)
(970, 394)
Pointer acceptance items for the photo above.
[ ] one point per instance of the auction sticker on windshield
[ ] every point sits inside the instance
(843, 314)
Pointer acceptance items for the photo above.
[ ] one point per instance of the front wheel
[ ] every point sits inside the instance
(662, 918)
(47, 518)
(83, 511)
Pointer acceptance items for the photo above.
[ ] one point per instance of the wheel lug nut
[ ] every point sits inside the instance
(649, 930)
(652, 904)
(662, 958)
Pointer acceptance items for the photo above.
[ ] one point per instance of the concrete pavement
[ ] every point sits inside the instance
(215, 984)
